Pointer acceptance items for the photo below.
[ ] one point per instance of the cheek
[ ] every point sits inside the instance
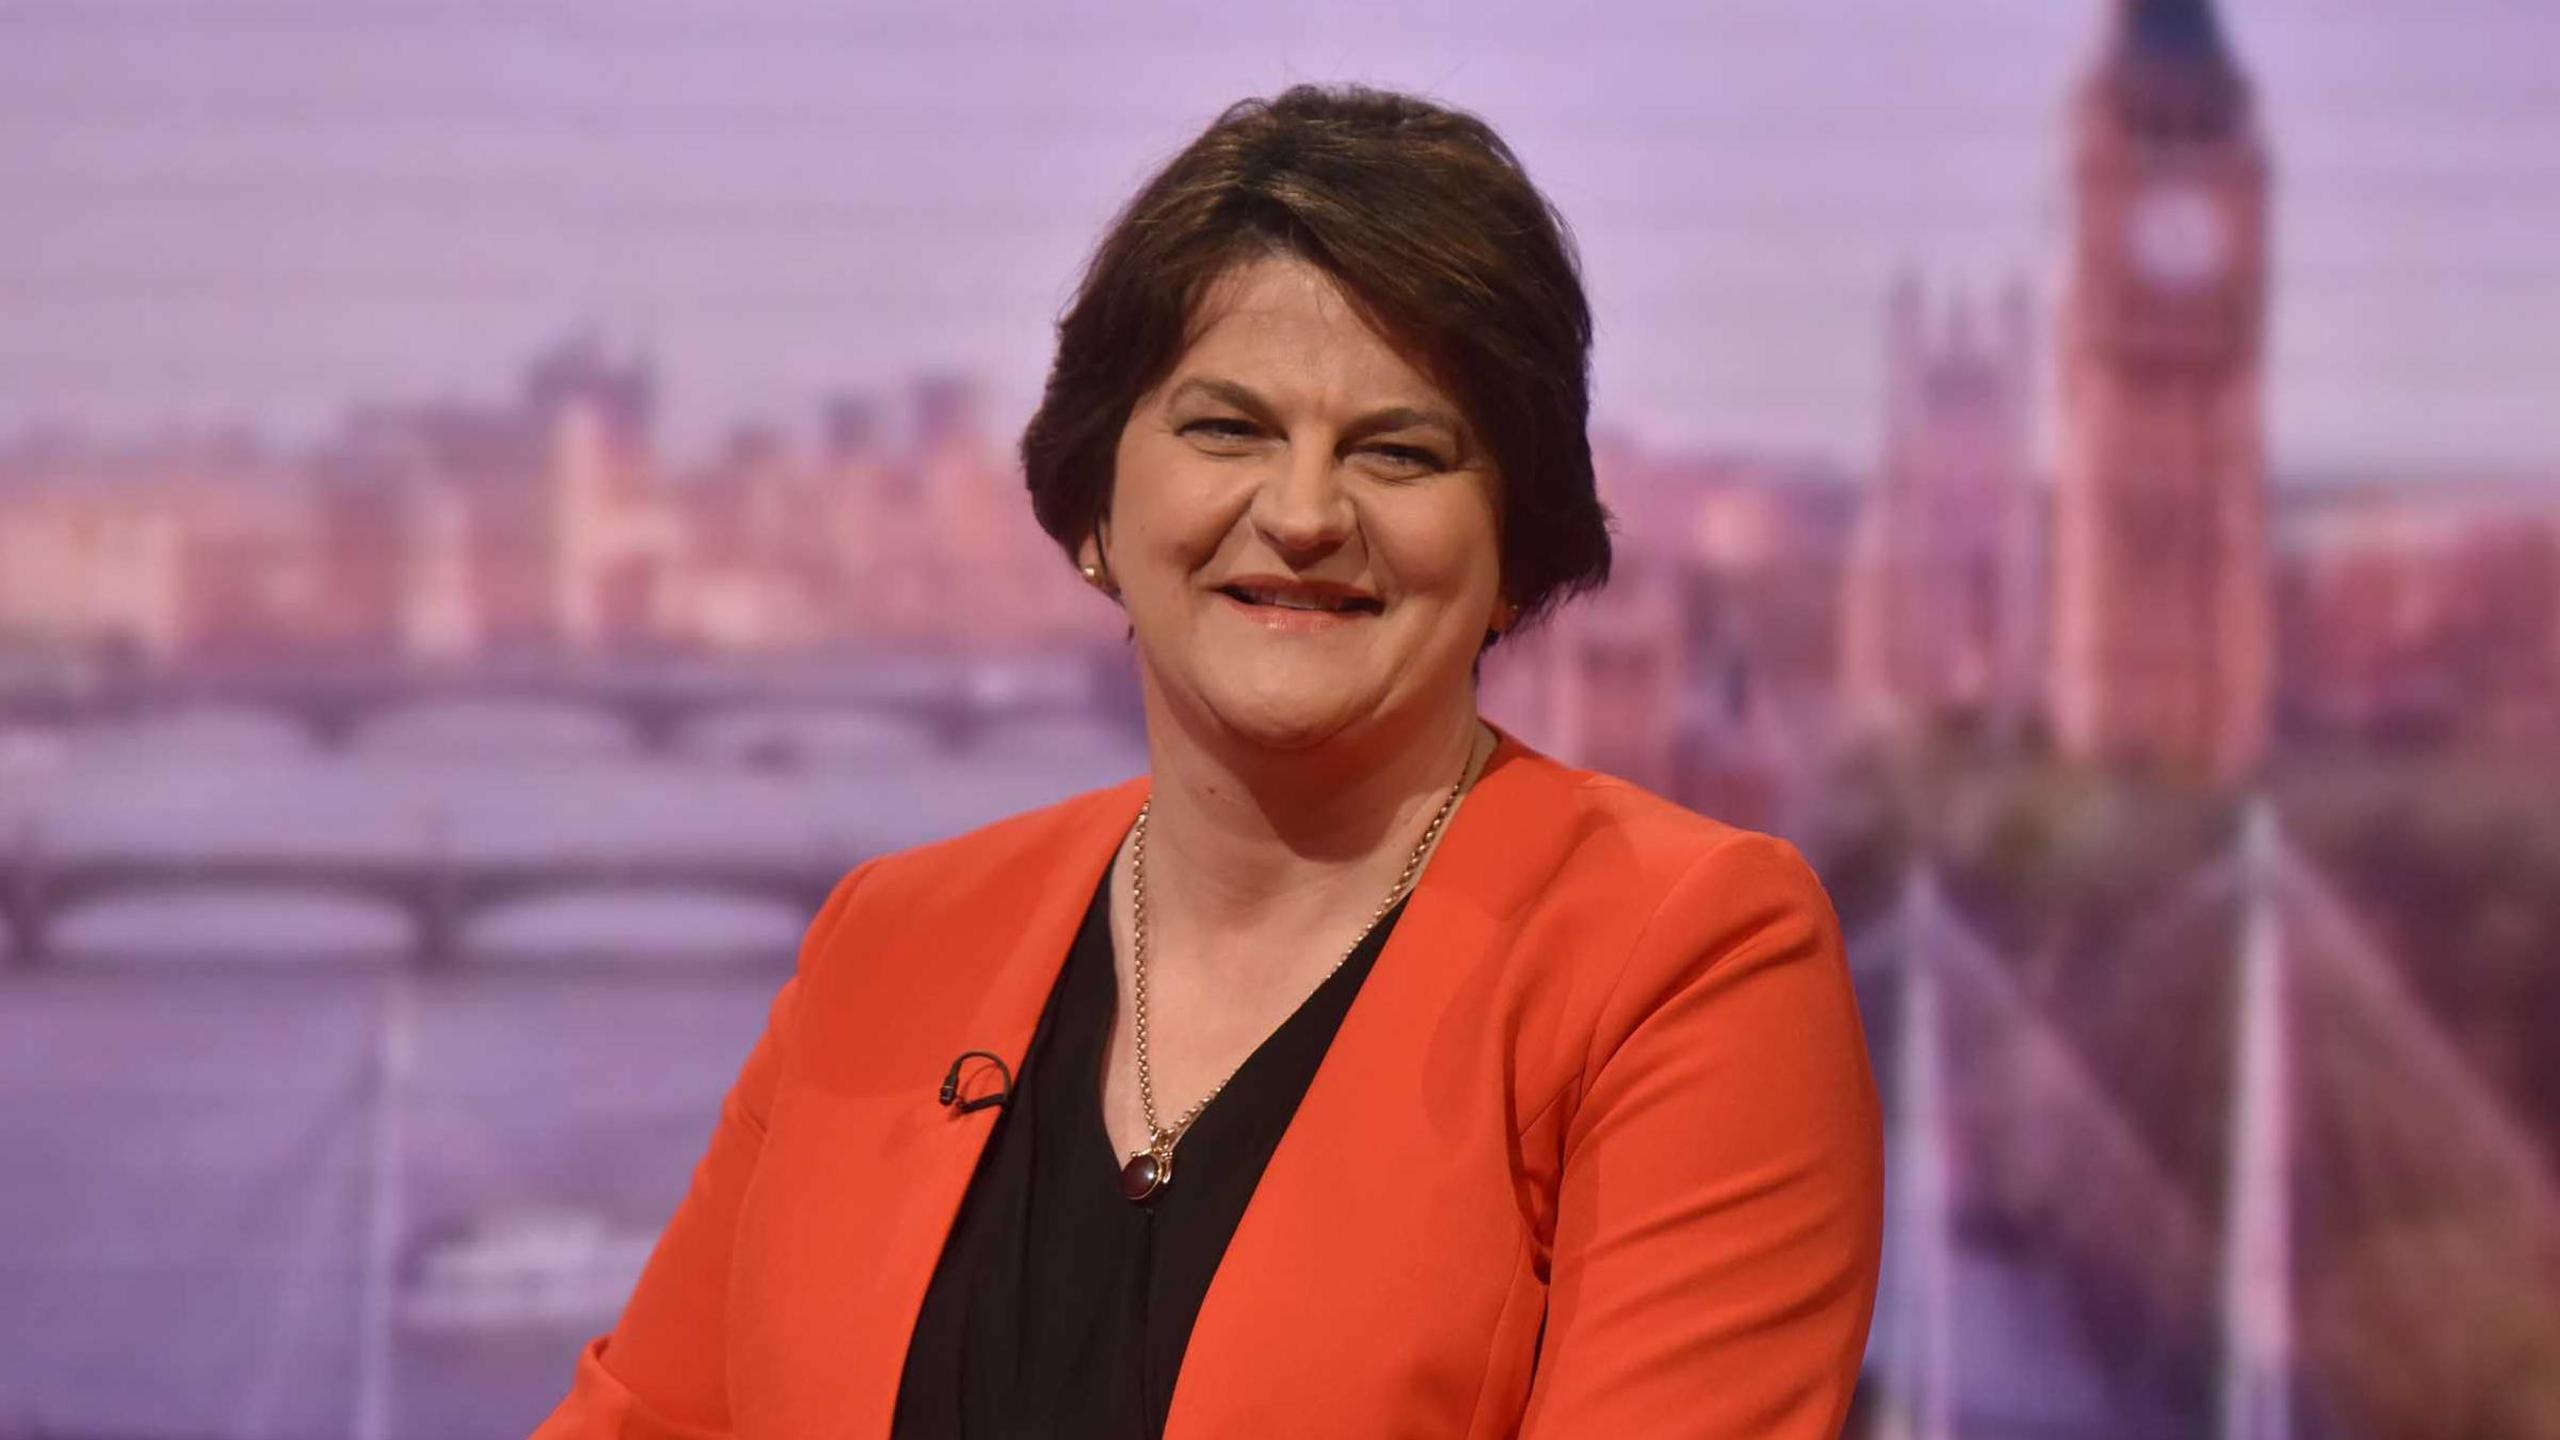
(1167, 516)
(1449, 551)
(1139, 488)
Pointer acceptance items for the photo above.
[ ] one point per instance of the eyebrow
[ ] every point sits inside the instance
(1394, 417)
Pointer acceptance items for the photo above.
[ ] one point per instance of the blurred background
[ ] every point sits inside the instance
(501, 505)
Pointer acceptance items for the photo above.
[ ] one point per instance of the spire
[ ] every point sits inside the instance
(2168, 71)
(2170, 29)
(1905, 349)
(1960, 325)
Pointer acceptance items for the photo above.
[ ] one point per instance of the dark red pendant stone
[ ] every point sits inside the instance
(1141, 1177)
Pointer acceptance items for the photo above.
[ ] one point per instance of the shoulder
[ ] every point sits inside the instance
(1654, 855)
(1659, 914)
(1710, 893)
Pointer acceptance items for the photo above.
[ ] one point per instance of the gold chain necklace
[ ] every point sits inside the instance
(1151, 1169)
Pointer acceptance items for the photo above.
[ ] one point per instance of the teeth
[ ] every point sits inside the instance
(1293, 602)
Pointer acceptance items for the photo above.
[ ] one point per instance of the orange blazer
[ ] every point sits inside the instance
(1596, 1152)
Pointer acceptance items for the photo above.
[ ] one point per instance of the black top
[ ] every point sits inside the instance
(1059, 1308)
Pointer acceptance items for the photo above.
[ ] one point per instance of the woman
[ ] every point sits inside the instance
(1359, 1071)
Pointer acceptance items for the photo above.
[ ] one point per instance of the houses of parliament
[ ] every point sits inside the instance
(2124, 610)
(2155, 602)
(2160, 594)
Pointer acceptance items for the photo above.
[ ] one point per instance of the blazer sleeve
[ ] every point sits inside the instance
(1719, 1221)
(662, 1374)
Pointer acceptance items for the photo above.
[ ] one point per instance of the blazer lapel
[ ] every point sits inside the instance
(913, 1161)
(1367, 1128)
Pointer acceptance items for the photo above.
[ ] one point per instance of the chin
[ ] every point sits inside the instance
(1272, 712)
(1287, 702)
(1282, 728)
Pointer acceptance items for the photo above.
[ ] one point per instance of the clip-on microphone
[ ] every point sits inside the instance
(951, 1083)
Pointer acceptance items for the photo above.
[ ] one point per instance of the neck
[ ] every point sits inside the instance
(1241, 836)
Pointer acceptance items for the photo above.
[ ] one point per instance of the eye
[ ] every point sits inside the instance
(1220, 427)
(1407, 459)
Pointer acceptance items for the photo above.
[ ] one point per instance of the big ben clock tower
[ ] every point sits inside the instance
(2161, 624)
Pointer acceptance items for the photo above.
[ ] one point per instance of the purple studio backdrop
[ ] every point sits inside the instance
(501, 505)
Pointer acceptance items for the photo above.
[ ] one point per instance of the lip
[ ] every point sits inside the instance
(1281, 618)
(1275, 617)
(1302, 588)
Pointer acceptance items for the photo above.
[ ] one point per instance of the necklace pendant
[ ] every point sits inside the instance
(1147, 1172)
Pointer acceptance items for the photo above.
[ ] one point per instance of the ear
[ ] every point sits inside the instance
(1094, 562)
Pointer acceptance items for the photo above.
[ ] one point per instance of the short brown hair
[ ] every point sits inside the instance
(1430, 225)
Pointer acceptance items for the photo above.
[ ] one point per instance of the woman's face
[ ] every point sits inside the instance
(1302, 528)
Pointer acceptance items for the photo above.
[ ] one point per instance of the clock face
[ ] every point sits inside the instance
(2179, 238)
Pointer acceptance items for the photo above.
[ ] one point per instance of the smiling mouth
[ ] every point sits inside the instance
(1319, 604)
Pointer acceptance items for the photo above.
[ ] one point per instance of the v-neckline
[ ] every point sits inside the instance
(1094, 1106)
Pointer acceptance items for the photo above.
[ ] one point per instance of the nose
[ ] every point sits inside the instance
(1301, 508)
